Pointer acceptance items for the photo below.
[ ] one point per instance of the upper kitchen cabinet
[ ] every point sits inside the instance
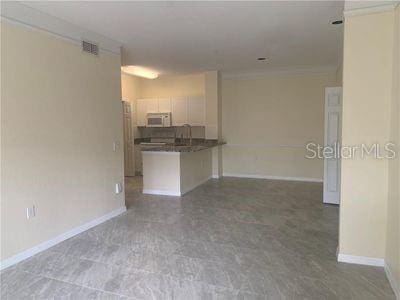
(152, 105)
(179, 111)
(196, 111)
(184, 110)
(141, 111)
(164, 105)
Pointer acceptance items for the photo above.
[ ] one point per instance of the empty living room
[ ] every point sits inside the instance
(200, 150)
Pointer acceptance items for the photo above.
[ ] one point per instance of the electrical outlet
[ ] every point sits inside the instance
(31, 212)
(118, 188)
(115, 146)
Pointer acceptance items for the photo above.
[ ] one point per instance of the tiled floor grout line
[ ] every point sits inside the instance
(133, 270)
(72, 283)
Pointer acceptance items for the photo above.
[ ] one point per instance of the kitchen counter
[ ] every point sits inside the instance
(174, 169)
(197, 146)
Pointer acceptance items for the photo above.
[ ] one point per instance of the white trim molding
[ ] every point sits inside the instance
(58, 239)
(361, 260)
(392, 281)
(162, 192)
(23, 14)
(251, 74)
(272, 177)
(373, 8)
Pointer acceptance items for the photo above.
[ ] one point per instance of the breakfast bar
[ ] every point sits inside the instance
(175, 170)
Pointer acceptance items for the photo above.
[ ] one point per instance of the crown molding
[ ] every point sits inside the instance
(273, 72)
(371, 9)
(22, 14)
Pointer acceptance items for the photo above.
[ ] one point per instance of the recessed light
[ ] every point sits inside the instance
(337, 22)
(262, 58)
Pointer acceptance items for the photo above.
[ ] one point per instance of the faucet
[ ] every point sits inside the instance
(190, 133)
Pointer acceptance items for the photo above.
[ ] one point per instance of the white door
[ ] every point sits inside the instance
(333, 137)
(129, 158)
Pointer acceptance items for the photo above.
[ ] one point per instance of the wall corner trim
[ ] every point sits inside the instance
(370, 10)
(361, 260)
(21, 13)
(58, 239)
(256, 74)
(392, 281)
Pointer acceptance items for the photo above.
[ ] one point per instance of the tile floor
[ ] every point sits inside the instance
(228, 239)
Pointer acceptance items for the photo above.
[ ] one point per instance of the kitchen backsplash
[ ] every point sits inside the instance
(198, 132)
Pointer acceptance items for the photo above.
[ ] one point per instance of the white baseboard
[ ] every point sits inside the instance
(174, 192)
(215, 176)
(162, 192)
(361, 260)
(395, 286)
(58, 239)
(256, 176)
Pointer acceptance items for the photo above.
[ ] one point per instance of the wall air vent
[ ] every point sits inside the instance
(90, 48)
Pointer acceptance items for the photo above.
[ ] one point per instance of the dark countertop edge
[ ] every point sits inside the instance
(184, 149)
(196, 141)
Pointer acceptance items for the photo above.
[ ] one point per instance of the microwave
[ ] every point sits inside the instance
(158, 120)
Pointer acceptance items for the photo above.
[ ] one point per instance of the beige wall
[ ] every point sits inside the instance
(367, 92)
(61, 112)
(172, 86)
(267, 121)
(392, 255)
(130, 87)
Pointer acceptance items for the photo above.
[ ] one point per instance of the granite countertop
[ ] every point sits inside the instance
(197, 146)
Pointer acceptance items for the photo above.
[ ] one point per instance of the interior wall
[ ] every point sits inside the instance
(130, 87)
(61, 112)
(267, 122)
(130, 90)
(367, 93)
(392, 255)
(172, 86)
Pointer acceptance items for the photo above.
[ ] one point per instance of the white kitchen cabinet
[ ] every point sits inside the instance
(179, 111)
(190, 110)
(164, 105)
(152, 105)
(196, 111)
(141, 111)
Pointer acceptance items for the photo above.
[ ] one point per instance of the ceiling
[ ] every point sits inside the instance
(188, 37)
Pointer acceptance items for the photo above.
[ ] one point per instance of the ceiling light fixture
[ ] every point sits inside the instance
(337, 22)
(140, 71)
(262, 58)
